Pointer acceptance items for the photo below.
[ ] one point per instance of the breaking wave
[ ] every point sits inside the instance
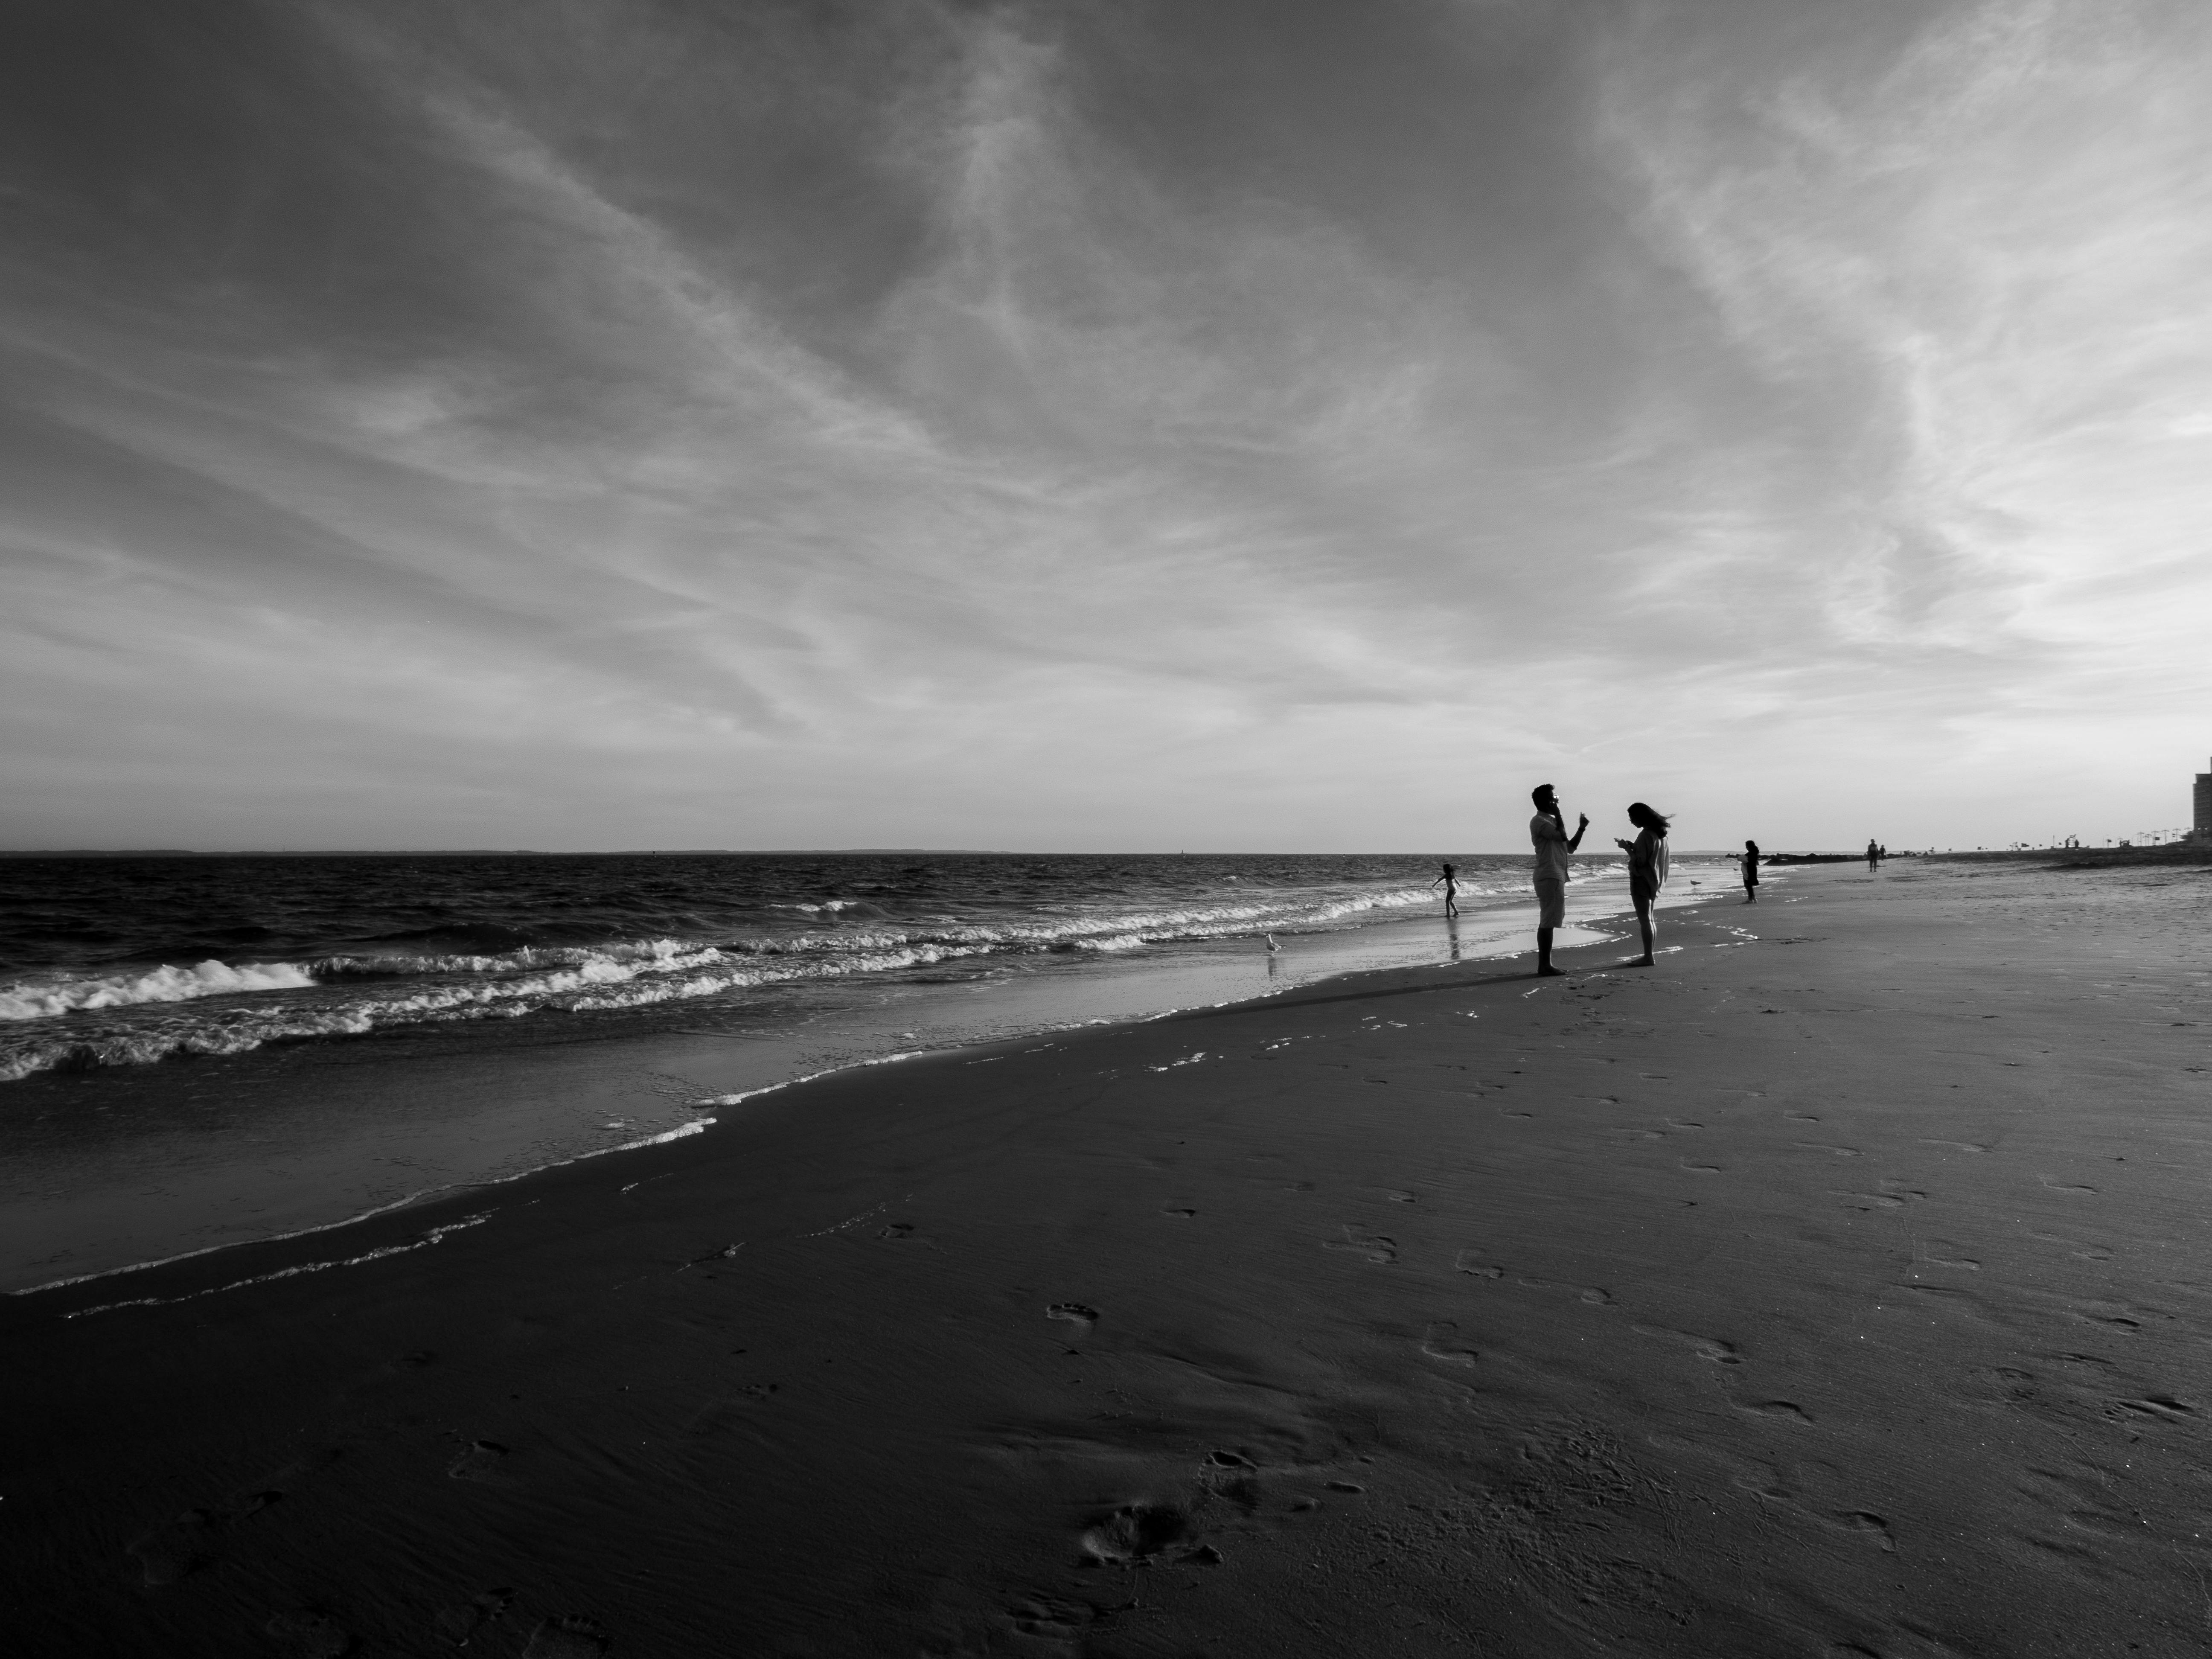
(165, 984)
(68, 1022)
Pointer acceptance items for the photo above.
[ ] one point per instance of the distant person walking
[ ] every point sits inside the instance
(1451, 882)
(1547, 833)
(1647, 869)
(1751, 873)
(1874, 858)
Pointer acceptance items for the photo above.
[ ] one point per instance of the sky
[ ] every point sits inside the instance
(1107, 425)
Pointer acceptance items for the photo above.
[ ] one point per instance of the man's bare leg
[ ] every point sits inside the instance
(1544, 954)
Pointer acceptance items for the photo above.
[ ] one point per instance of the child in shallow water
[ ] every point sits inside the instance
(1647, 869)
(1451, 882)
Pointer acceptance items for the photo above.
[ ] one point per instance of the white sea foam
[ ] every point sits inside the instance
(33, 1001)
(611, 975)
(647, 952)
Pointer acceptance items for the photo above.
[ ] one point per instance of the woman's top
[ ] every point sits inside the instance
(1751, 869)
(1647, 863)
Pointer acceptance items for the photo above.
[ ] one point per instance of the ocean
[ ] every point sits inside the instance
(200, 1050)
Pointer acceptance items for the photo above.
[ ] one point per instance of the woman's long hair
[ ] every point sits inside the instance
(1645, 818)
(1752, 848)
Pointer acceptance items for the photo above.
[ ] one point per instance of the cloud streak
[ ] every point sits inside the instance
(1058, 425)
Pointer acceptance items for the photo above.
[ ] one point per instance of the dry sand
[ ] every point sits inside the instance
(1841, 1286)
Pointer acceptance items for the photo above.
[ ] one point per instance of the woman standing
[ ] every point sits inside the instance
(1647, 869)
(1751, 873)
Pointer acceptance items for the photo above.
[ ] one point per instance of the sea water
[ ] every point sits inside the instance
(203, 1050)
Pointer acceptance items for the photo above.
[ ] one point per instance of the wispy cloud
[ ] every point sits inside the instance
(759, 429)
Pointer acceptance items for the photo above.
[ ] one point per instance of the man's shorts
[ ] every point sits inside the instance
(1551, 904)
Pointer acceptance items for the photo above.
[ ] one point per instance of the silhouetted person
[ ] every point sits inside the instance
(1874, 858)
(1751, 873)
(1647, 869)
(1450, 880)
(1548, 832)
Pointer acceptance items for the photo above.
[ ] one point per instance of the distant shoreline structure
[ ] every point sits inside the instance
(2193, 850)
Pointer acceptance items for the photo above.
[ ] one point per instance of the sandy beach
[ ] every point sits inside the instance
(1841, 1286)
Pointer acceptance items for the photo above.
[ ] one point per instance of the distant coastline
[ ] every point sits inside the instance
(514, 853)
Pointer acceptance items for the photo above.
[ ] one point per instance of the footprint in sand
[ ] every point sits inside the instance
(573, 1636)
(1865, 1522)
(2163, 1407)
(194, 1539)
(2063, 1187)
(1705, 1347)
(1956, 1145)
(459, 1624)
(1441, 1342)
(311, 1634)
(1074, 1313)
(1372, 1247)
(1134, 1532)
(1700, 1169)
(1469, 1263)
(898, 1231)
(1059, 1620)
(1782, 1411)
(1823, 1146)
(1179, 1213)
(480, 1462)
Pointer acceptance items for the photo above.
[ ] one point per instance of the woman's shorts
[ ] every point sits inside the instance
(1642, 893)
(1551, 904)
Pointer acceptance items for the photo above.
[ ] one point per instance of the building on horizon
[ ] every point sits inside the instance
(2203, 829)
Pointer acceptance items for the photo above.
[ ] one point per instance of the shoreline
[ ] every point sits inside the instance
(493, 1103)
(1787, 1297)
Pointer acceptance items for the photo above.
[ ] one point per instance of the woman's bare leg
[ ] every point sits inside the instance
(1643, 926)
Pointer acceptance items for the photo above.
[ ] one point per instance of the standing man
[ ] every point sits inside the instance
(1874, 858)
(1547, 831)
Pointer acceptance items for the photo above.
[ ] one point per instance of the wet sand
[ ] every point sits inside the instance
(1840, 1287)
(102, 1168)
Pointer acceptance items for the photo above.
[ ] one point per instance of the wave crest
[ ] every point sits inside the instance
(163, 984)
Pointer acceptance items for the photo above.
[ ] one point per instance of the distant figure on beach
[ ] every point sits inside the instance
(1548, 832)
(1751, 873)
(1647, 869)
(1874, 858)
(1450, 880)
